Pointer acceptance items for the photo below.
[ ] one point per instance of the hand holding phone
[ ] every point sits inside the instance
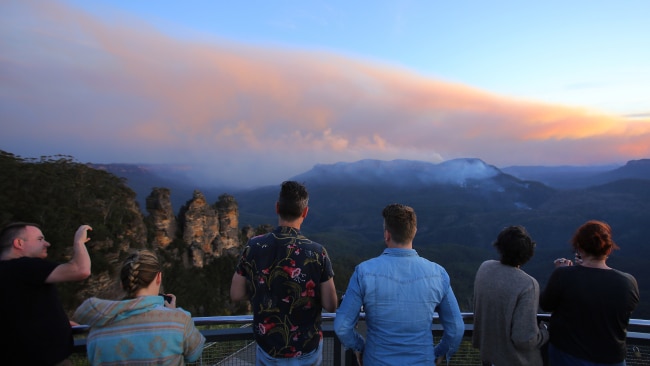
(168, 299)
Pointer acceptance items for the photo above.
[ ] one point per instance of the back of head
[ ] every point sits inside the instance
(594, 238)
(401, 222)
(12, 231)
(293, 199)
(515, 246)
(138, 270)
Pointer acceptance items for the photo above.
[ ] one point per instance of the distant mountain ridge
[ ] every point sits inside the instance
(142, 178)
(401, 172)
(461, 206)
(634, 169)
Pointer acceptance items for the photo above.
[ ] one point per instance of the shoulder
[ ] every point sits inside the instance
(625, 276)
(309, 244)
(490, 263)
(486, 268)
(432, 267)
(28, 264)
(532, 281)
(258, 242)
(180, 313)
(258, 239)
(368, 263)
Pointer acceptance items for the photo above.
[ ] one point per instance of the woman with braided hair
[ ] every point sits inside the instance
(143, 328)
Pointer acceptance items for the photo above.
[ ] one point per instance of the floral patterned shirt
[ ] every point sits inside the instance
(285, 270)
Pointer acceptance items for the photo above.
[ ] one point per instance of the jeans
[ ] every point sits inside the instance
(313, 358)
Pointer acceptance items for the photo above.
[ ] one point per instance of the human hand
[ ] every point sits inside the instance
(81, 236)
(578, 259)
(170, 304)
(562, 262)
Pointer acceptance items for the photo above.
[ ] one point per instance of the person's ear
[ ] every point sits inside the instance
(18, 243)
(304, 212)
(159, 278)
(277, 210)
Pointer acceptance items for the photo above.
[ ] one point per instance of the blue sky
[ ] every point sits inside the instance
(283, 85)
(590, 53)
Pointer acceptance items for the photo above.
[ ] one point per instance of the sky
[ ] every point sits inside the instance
(255, 92)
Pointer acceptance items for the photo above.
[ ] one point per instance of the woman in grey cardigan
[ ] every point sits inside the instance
(505, 305)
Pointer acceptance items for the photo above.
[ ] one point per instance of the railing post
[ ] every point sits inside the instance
(350, 358)
(638, 339)
(337, 351)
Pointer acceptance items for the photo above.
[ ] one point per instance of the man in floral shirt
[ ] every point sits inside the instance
(289, 280)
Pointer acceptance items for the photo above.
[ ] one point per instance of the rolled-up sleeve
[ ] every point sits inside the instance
(347, 316)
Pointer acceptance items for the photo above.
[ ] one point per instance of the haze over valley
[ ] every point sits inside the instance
(461, 206)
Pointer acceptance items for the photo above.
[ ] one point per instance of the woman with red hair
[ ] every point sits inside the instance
(591, 303)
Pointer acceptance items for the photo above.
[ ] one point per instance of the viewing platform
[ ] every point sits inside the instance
(229, 342)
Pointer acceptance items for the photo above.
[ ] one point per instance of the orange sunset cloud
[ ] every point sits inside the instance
(126, 92)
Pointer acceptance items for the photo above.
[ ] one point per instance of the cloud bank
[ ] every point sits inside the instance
(116, 90)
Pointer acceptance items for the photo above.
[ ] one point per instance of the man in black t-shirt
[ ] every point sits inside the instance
(36, 328)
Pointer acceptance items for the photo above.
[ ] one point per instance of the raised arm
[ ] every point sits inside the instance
(78, 268)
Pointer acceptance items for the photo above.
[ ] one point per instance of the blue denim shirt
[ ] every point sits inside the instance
(400, 292)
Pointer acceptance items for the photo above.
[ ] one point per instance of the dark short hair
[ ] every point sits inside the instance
(11, 231)
(401, 222)
(293, 199)
(515, 246)
(594, 238)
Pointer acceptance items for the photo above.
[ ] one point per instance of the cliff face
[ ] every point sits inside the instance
(228, 241)
(199, 235)
(207, 231)
(83, 194)
(161, 214)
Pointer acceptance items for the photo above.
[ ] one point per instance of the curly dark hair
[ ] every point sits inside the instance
(515, 246)
(292, 201)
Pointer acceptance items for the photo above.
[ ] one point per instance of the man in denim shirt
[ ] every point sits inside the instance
(400, 292)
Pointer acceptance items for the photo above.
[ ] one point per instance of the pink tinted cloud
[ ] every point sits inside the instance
(71, 76)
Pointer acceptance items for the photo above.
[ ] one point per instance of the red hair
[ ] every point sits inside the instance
(594, 238)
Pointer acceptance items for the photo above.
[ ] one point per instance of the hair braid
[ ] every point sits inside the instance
(138, 271)
(133, 277)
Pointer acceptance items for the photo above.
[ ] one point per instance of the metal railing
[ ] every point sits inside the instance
(229, 342)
